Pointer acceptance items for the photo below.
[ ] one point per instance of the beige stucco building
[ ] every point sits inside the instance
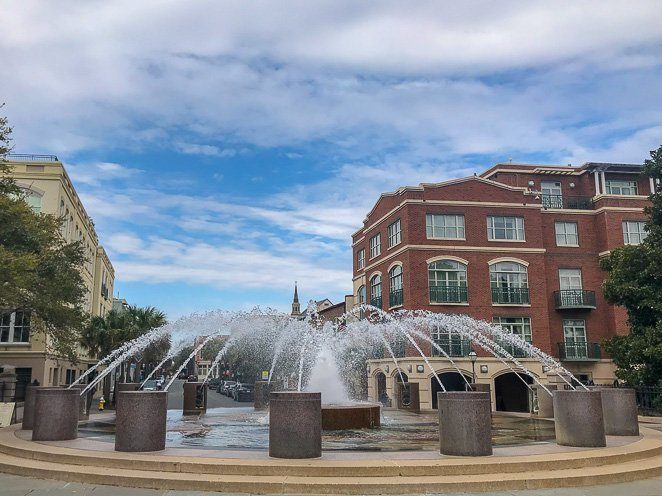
(50, 191)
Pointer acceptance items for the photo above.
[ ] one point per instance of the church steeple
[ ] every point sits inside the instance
(296, 309)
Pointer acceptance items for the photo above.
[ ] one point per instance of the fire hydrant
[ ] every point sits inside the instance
(102, 403)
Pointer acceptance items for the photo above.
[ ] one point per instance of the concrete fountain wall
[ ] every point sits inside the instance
(295, 425)
(578, 418)
(140, 421)
(195, 398)
(55, 414)
(465, 423)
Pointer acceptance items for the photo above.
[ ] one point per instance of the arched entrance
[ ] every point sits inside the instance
(380, 379)
(511, 393)
(399, 378)
(452, 381)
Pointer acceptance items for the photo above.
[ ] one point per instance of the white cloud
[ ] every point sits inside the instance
(210, 150)
(95, 173)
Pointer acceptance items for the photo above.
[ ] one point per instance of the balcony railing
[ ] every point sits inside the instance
(510, 296)
(376, 301)
(28, 157)
(449, 294)
(567, 202)
(574, 351)
(515, 351)
(395, 298)
(574, 298)
(452, 347)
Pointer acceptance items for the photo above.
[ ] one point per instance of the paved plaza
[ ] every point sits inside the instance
(12, 485)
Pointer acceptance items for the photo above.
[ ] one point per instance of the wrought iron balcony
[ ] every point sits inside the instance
(514, 350)
(395, 298)
(510, 296)
(449, 294)
(574, 298)
(578, 352)
(567, 202)
(453, 347)
(376, 301)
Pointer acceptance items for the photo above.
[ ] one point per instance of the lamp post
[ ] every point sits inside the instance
(473, 357)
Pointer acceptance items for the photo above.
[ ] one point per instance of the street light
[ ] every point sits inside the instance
(473, 357)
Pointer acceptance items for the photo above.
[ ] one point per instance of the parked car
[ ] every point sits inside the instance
(243, 392)
(192, 378)
(227, 387)
(152, 385)
(213, 383)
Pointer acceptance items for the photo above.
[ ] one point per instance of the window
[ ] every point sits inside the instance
(33, 200)
(70, 377)
(566, 234)
(634, 232)
(570, 279)
(361, 295)
(447, 280)
(519, 326)
(444, 226)
(450, 341)
(615, 187)
(376, 291)
(551, 194)
(375, 246)
(360, 258)
(15, 327)
(574, 333)
(510, 283)
(395, 285)
(505, 228)
(394, 234)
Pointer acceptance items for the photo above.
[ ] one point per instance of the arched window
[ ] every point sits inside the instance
(510, 283)
(360, 295)
(395, 297)
(376, 291)
(448, 282)
(33, 199)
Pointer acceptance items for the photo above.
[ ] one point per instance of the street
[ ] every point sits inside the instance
(214, 399)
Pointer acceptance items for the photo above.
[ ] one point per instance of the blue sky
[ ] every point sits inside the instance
(227, 149)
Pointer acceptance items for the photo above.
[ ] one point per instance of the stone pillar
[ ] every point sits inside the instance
(295, 425)
(545, 401)
(195, 398)
(124, 386)
(28, 407)
(261, 395)
(619, 409)
(140, 423)
(408, 397)
(465, 423)
(578, 418)
(83, 412)
(55, 414)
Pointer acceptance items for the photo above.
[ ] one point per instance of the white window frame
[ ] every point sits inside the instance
(622, 187)
(519, 326)
(563, 237)
(517, 229)
(375, 245)
(10, 328)
(360, 259)
(445, 226)
(394, 233)
(570, 279)
(634, 236)
(509, 275)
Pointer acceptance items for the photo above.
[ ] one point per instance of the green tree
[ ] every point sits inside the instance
(39, 272)
(635, 282)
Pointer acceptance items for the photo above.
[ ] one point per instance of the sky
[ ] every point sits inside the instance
(226, 149)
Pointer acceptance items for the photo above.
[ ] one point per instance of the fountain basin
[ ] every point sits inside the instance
(355, 416)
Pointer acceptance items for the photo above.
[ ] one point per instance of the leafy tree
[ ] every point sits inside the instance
(39, 271)
(635, 282)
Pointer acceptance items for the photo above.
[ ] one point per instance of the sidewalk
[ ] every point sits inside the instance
(12, 485)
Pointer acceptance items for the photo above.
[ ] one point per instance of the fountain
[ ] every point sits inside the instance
(326, 361)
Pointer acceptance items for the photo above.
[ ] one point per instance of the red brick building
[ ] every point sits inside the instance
(519, 245)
